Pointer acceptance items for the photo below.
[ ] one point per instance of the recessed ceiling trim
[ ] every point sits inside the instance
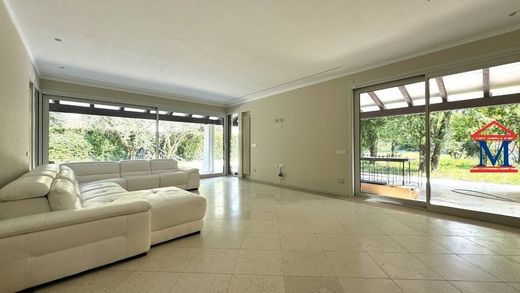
(289, 82)
(446, 66)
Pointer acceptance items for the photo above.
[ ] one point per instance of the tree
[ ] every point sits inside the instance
(439, 125)
(106, 145)
(180, 139)
(370, 129)
(68, 145)
(137, 135)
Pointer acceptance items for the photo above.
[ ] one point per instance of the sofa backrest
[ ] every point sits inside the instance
(64, 195)
(27, 194)
(159, 166)
(95, 171)
(135, 168)
(32, 184)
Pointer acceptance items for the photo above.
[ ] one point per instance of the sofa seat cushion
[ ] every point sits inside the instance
(142, 182)
(171, 206)
(96, 193)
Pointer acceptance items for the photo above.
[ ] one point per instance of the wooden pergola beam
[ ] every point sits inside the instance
(442, 89)
(376, 100)
(485, 83)
(475, 103)
(406, 95)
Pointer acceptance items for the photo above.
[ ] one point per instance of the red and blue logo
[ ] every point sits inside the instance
(502, 154)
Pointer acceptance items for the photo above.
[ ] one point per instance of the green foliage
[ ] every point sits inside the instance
(370, 132)
(68, 143)
(191, 148)
(105, 145)
(75, 137)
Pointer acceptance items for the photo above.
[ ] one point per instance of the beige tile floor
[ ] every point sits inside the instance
(259, 238)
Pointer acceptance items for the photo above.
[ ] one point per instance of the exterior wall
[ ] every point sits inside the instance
(16, 72)
(318, 118)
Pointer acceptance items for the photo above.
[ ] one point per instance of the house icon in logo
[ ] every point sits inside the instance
(503, 150)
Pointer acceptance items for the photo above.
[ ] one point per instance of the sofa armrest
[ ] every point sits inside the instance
(189, 170)
(56, 219)
(193, 178)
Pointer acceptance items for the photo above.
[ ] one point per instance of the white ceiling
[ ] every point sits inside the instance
(226, 51)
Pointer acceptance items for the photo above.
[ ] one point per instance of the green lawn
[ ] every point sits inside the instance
(454, 168)
(459, 169)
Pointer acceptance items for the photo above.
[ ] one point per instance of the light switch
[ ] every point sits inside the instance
(253, 145)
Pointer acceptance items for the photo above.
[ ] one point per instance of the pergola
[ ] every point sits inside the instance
(478, 88)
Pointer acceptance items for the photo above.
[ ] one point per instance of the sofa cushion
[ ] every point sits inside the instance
(64, 195)
(142, 182)
(159, 166)
(32, 184)
(68, 174)
(178, 179)
(91, 191)
(171, 206)
(24, 207)
(120, 181)
(135, 168)
(50, 170)
(94, 171)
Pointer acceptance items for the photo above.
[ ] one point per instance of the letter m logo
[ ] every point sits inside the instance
(503, 151)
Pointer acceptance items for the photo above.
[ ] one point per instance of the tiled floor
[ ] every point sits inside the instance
(260, 238)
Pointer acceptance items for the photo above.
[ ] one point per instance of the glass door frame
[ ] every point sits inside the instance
(357, 147)
(229, 133)
(454, 211)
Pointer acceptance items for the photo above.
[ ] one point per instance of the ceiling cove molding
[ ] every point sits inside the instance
(134, 90)
(299, 83)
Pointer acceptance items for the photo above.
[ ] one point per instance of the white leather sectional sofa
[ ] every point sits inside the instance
(54, 223)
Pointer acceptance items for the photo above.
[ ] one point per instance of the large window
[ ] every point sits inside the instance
(194, 145)
(91, 131)
(473, 148)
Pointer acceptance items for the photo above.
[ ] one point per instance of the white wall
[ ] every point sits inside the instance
(16, 71)
(318, 118)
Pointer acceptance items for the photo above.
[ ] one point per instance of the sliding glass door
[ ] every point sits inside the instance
(475, 165)
(465, 123)
(392, 141)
